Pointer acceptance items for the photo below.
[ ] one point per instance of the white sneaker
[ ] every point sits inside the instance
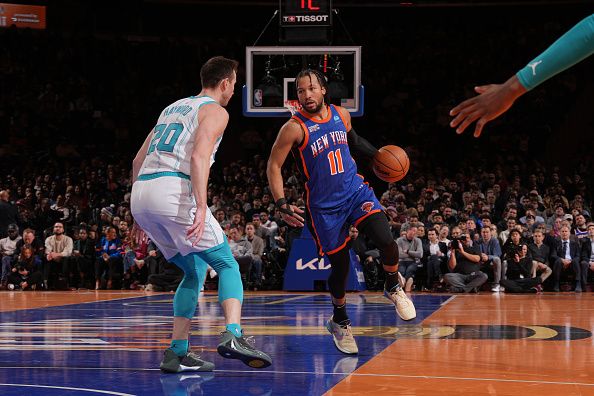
(404, 305)
(213, 274)
(343, 337)
(148, 287)
(496, 289)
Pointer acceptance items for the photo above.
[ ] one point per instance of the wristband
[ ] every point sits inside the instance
(280, 205)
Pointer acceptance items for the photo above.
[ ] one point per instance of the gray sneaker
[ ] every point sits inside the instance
(343, 337)
(190, 362)
(242, 348)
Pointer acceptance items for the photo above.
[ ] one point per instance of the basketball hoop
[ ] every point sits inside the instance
(292, 105)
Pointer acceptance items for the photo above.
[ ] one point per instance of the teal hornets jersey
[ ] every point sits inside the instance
(172, 142)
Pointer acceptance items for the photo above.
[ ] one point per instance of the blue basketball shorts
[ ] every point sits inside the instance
(330, 227)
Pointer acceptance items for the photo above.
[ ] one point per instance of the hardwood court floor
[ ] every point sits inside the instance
(85, 343)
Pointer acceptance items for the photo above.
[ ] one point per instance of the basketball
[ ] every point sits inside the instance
(391, 163)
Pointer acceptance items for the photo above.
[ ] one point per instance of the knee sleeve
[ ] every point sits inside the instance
(186, 296)
(340, 264)
(222, 261)
(377, 228)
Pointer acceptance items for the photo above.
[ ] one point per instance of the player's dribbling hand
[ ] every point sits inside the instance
(293, 219)
(197, 228)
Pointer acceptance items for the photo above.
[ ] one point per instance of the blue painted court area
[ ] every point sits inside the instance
(114, 347)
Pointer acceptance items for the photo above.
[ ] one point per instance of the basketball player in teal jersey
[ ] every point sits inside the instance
(495, 99)
(170, 178)
(319, 136)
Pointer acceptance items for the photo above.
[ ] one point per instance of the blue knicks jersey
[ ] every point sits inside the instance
(326, 161)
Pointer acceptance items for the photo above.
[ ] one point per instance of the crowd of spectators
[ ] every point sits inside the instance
(70, 128)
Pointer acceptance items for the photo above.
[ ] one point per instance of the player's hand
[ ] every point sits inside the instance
(197, 228)
(492, 101)
(291, 215)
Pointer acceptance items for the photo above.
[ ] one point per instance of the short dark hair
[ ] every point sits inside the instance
(217, 69)
(515, 231)
(320, 77)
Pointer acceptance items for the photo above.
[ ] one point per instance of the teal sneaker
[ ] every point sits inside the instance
(242, 348)
(172, 363)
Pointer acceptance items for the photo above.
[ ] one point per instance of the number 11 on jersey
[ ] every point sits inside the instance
(335, 159)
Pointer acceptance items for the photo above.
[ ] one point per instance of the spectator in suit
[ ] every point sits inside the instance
(566, 257)
(434, 256)
(490, 252)
(587, 254)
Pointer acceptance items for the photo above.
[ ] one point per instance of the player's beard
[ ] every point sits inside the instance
(315, 110)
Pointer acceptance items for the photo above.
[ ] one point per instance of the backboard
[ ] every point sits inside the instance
(271, 71)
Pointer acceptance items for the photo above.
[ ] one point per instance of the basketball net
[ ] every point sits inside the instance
(292, 105)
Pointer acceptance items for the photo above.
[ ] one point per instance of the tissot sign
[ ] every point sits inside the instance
(297, 13)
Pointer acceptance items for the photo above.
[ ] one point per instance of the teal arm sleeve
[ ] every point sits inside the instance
(574, 46)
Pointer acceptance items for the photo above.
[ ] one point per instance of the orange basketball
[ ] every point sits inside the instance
(391, 163)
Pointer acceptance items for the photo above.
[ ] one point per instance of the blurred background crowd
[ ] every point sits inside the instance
(77, 100)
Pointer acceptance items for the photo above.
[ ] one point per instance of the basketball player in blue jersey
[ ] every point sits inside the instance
(320, 137)
(170, 176)
(495, 99)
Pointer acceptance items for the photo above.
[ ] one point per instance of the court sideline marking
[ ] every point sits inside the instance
(69, 388)
(318, 373)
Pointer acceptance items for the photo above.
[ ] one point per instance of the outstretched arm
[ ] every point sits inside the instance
(495, 99)
(289, 135)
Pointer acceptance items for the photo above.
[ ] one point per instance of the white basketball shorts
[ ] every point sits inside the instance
(163, 206)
